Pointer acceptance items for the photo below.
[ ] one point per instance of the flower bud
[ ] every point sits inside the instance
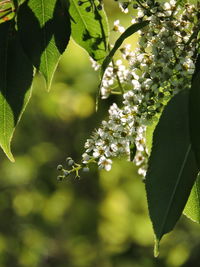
(59, 178)
(59, 167)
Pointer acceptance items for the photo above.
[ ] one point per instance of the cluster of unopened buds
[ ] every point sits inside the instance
(72, 168)
(161, 66)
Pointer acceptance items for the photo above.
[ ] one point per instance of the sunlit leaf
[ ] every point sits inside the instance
(192, 208)
(16, 75)
(172, 166)
(44, 28)
(89, 29)
(149, 134)
(6, 11)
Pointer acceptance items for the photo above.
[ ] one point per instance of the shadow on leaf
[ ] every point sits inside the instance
(44, 43)
(16, 74)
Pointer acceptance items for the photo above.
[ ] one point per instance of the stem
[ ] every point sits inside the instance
(118, 80)
(120, 85)
(115, 93)
(193, 36)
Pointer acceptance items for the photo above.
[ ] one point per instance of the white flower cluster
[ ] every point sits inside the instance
(161, 66)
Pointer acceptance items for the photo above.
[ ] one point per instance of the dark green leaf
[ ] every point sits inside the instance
(131, 30)
(16, 73)
(192, 208)
(89, 29)
(194, 112)
(17, 3)
(172, 166)
(44, 28)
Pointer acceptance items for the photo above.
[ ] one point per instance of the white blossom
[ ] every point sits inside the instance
(105, 163)
(161, 66)
(117, 27)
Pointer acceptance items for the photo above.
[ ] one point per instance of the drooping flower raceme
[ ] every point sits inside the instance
(161, 66)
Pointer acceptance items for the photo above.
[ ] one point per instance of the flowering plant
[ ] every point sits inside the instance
(159, 84)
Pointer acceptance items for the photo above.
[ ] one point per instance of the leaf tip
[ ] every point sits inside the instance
(48, 86)
(9, 155)
(47, 80)
(6, 149)
(12, 159)
(156, 247)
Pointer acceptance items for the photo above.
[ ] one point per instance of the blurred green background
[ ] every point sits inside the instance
(100, 220)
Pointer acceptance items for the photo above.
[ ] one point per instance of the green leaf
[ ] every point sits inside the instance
(192, 208)
(6, 11)
(131, 30)
(16, 73)
(194, 112)
(149, 134)
(172, 166)
(89, 29)
(44, 28)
